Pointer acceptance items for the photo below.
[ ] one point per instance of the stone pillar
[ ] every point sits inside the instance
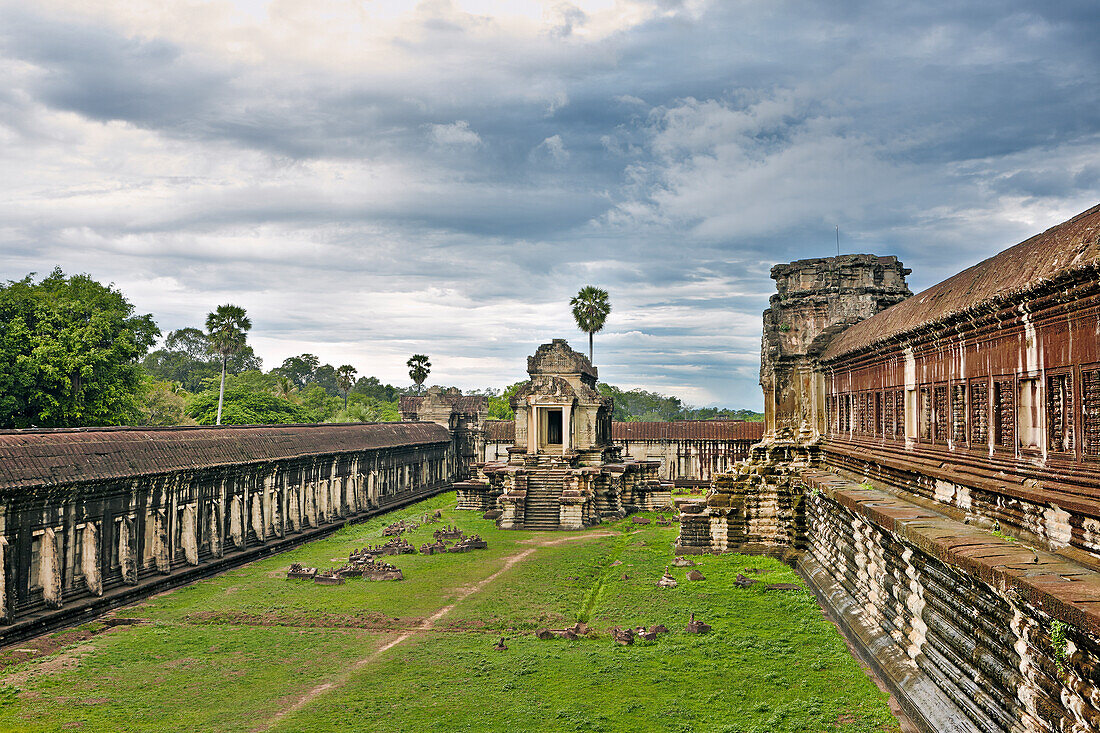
(127, 557)
(89, 562)
(215, 529)
(160, 543)
(257, 518)
(5, 615)
(189, 539)
(566, 429)
(236, 521)
(49, 569)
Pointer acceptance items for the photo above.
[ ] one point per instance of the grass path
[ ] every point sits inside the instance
(249, 650)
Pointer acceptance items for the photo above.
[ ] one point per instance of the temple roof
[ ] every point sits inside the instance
(1060, 251)
(50, 457)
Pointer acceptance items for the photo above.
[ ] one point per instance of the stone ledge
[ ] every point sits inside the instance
(1064, 589)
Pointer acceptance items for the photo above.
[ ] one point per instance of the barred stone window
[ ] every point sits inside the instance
(857, 413)
(979, 413)
(926, 413)
(878, 413)
(899, 413)
(1004, 413)
(1060, 412)
(940, 411)
(34, 576)
(958, 413)
(1090, 411)
(889, 427)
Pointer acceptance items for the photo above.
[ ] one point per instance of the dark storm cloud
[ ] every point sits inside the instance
(453, 195)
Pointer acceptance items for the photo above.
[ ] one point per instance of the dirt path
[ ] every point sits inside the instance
(462, 593)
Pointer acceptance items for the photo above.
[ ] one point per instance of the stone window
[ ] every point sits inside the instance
(1060, 412)
(1004, 413)
(1028, 413)
(958, 413)
(115, 562)
(1090, 411)
(857, 416)
(846, 414)
(878, 414)
(940, 412)
(979, 413)
(926, 414)
(34, 578)
(899, 413)
(78, 553)
(889, 426)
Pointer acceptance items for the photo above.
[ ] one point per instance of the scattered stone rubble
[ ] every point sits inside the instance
(666, 581)
(328, 577)
(297, 570)
(683, 562)
(395, 529)
(697, 627)
(695, 575)
(448, 533)
(473, 542)
(500, 646)
(371, 570)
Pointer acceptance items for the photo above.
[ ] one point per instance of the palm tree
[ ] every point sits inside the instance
(285, 387)
(590, 309)
(345, 378)
(225, 328)
(419, 369)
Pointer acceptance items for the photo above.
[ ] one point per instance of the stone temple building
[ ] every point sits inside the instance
(931, 465)
(564, 471)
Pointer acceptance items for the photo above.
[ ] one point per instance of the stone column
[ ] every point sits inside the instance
(566, 429)
(257, 518)
(89, 564)
(49, 569)
(216, 529)
(236, 521)
(127, 558)
(4, 615)
(189, 539)
(160, 543)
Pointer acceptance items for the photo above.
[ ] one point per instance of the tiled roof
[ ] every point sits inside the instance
(51, 457)
(470, 403)
(687, 430)
(500, 431)
(1073, 245)
(504, 431)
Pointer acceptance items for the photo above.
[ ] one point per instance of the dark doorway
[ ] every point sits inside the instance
(553, 427)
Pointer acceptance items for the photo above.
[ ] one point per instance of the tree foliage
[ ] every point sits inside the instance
(248, 401)
(226, 330)
(186, 357)
(69, 348)
(644, 406)
(419, 369)
(591, 307)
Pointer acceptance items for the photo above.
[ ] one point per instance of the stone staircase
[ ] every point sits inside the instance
(544, 487)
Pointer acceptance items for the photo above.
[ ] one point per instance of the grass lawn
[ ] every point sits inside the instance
(251, 651)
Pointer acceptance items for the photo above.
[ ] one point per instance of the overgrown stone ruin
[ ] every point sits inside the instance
(563, 472)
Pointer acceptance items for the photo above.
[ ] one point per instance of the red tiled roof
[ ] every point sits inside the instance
(1073, 245)
(687, 430)
(504, 431)
(51, 457)
(500, 431)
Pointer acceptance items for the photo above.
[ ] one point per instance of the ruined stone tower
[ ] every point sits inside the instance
(563, 471)
(816, 299)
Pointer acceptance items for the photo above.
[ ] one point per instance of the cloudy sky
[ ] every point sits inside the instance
(375, 178)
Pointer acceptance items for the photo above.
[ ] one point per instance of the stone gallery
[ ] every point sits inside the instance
(929, 463)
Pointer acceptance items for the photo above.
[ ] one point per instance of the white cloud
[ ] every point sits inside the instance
(457, 134)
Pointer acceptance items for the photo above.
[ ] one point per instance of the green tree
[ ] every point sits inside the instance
(225, 329)
(284, 387)
(244, 400)
(187, 358)
(373, 387)
(299, 369)
(500, 405)
(69, 351)
(419, 369)
(318, 404)
(591, 307)
(164, 403)
(345, 378)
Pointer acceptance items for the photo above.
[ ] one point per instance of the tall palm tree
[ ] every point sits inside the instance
(225, 328)
(590, 310)
(419, 369)
(285, 387)
(345, 379)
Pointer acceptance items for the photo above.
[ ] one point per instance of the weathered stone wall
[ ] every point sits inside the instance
(976, 632)
(101, 534)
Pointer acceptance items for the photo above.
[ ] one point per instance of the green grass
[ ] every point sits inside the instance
(240, 652)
